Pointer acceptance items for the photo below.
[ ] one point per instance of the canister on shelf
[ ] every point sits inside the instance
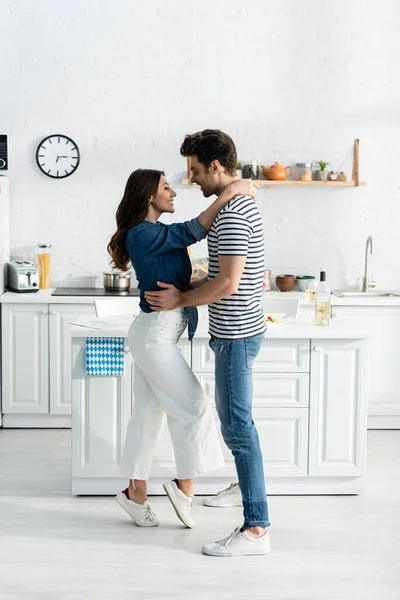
(304, 171)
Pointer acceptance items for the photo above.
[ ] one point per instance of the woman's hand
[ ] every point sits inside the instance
(243, 187)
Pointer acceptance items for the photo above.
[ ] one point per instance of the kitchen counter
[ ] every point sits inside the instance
(45, 296)
(296, 329)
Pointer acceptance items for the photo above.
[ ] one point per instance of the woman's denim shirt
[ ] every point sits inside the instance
(158, 252)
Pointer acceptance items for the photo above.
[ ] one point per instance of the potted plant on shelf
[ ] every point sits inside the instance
(239, 172)
(322, 175)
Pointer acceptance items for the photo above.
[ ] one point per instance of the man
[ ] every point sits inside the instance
(236, 324)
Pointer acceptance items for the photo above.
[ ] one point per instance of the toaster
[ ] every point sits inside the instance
(22, 276)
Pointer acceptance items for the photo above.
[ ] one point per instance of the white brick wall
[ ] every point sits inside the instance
(127, 79)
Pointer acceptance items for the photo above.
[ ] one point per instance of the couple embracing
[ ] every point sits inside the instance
(165, 386)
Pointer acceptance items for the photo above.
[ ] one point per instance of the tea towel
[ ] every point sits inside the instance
(105, 356)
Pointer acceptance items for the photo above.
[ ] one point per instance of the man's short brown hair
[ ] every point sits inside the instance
(209, 145)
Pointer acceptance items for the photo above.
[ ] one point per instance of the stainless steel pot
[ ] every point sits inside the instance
(116, 281)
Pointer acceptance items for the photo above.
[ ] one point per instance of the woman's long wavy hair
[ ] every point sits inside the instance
(131, 211)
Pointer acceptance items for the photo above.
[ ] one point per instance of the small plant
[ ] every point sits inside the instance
(322, 164)
(238, 166)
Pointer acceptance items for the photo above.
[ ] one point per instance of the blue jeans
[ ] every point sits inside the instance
(233, 396)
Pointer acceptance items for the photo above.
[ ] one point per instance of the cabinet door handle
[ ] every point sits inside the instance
(126, 348)
(317, 349)
(52, 312)
(45, 311)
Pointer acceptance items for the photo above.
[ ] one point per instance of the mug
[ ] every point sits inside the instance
(250, 171)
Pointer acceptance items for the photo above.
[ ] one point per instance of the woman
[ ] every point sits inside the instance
(164, 384)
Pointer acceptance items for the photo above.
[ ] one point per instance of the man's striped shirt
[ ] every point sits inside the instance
(238, 231)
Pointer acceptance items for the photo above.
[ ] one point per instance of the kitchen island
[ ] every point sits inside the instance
(310, 407)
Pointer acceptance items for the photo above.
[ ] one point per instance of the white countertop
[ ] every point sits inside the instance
(45, 297)
(300, 329)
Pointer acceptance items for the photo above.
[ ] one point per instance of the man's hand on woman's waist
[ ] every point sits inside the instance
(168, 299)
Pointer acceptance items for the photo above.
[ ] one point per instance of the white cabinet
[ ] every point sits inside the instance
(101, 410)
(383, 323)
(280, 401)
(311, 420)
(275, 356)
(60, 316)
(36, 361)
(283, 435)
(278, 390)
(338, 427)
(25, 350)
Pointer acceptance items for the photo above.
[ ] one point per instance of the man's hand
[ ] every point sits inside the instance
(166, 300)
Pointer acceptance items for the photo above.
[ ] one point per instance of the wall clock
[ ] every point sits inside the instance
(57, 156)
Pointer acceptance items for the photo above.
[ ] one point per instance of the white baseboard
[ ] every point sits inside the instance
(291, 486)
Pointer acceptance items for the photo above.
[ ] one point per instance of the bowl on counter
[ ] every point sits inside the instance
(116, 281)
(285, 282)
(302, 280)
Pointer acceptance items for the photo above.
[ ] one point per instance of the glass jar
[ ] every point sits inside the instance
(44, 262)
(266, 287)
(304, 171)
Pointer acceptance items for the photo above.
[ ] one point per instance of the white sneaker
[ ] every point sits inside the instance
(182, 504)
(229, 497)
(140, 513)
(238, 543)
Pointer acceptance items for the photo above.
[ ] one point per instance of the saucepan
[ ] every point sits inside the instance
(116, 281)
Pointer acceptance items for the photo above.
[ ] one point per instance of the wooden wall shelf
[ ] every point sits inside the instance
(303, 183)
(354, 182)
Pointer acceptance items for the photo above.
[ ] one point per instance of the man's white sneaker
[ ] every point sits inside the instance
(231, 496)
(140, 513)
(182, 504)
(238, 543)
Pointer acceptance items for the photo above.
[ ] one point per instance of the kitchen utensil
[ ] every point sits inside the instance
(44, 261)
(311, 286)
(301, 281)
(304, 171)
(115, 280)
(285, 282)
(22, 276)
(276, 171)
(250, 171)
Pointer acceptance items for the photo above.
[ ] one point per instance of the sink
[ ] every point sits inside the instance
(360, 294)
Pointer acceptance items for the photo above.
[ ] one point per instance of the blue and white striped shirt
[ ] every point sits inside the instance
(238, 231)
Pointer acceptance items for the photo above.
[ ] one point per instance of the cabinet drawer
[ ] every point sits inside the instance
(269, 389)
(275, 356)
(283, 435)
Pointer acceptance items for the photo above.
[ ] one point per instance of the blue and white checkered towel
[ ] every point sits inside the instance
(105, 356)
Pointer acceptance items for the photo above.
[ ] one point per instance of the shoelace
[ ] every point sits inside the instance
(228, 489)
(148, 513)
(235, 533)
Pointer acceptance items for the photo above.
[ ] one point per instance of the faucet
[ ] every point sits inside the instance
(366, 282)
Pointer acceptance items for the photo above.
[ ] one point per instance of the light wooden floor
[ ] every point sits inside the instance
(54, 546)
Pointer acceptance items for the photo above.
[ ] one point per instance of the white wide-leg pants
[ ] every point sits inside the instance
(164, 385)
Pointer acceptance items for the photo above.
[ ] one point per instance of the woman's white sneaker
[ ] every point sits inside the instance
(140, 513)
(230, 496)
(182, 504)
(238, 543)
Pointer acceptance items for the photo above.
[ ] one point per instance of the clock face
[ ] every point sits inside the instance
(57, 156)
